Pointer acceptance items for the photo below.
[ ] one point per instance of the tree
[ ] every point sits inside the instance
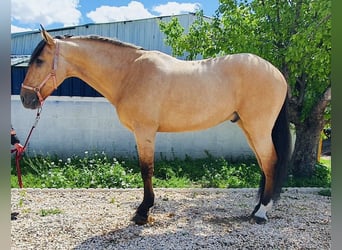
(294, 35)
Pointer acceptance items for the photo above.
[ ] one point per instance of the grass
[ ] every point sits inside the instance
(51, 211)
(325, 162)
(97, 170)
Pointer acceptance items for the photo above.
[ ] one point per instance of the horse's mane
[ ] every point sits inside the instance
(38, 50)
(110, 40)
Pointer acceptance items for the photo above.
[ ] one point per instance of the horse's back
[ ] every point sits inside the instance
(245, 68)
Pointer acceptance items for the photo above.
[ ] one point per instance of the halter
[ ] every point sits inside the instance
(51, 74)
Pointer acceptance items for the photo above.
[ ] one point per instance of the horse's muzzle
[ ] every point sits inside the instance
(29, 99)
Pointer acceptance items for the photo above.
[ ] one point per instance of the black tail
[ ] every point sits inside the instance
(282, 142)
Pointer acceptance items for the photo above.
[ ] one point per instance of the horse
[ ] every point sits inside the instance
(154, 92)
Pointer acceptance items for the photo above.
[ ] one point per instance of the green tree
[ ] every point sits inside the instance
(294, 35)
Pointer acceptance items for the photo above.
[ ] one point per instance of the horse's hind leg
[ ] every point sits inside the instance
(260, 140)
(145, 139)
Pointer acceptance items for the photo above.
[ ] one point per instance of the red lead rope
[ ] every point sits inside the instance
(18, 154)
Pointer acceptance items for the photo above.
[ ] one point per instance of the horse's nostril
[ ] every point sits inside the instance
(22, 99)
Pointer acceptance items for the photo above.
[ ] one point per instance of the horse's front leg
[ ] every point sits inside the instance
(145, 139)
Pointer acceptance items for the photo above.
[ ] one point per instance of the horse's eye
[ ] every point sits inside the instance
(39, 61)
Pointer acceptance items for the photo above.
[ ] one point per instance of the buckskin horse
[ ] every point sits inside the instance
(154, 92)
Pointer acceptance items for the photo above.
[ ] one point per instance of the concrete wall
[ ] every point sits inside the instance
(72, 125)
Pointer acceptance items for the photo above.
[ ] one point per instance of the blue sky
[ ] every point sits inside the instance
(28, 14)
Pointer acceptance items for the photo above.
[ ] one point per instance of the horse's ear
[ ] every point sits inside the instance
(46, 36)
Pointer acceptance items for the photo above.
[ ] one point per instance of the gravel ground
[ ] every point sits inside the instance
(183, 219)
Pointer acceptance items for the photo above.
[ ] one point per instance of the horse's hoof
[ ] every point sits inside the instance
(142, 220)
(258, 220)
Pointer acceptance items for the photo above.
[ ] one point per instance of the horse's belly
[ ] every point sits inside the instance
(190, 122)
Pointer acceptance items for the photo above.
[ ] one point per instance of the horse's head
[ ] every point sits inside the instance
(41, 78)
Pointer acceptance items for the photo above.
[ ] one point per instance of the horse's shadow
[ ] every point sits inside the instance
(156, 236)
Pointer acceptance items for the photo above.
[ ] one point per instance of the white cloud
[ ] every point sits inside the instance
(46, 12)
(134, 10)
(15, 29)
(174, 8)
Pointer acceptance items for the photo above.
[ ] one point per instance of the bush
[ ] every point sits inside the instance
(321, 178)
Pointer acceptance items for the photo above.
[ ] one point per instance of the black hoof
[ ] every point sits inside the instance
(258, 220)
(141, 219)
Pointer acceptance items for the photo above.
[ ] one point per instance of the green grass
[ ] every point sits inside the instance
(51, 211)
(326, 162)
(97, 170)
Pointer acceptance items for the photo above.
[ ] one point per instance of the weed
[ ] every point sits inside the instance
(52, 211)
(22, 195)
(26, 210)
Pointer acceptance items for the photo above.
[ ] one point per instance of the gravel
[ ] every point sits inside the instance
(183, 219)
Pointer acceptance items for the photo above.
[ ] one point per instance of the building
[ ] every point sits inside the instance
(76, 118)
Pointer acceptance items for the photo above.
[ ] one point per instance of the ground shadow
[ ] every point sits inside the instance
(151, 237)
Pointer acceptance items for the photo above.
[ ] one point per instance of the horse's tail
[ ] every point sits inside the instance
(282, 142)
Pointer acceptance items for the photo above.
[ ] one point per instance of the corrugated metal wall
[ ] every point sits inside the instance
(144, 33)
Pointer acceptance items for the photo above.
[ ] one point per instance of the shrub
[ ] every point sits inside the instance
(321, 178)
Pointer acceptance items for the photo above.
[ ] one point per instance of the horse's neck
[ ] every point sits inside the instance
(100, 65)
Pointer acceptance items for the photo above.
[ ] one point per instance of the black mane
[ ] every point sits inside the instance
(38, 50)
